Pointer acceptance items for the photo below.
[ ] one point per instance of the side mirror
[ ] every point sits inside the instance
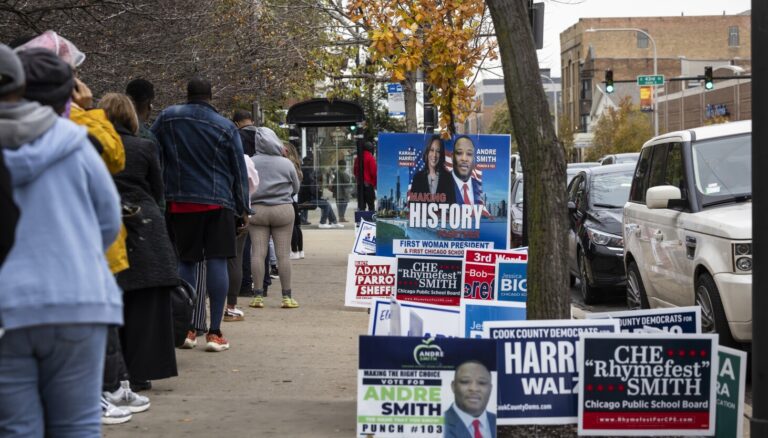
(571, 206)
(659, 196)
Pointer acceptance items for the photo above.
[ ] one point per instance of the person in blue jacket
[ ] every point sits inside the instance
(57, 294)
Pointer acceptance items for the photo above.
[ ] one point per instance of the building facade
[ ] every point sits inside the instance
(684, 45)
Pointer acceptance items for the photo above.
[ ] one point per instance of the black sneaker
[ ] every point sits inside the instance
(273, 272)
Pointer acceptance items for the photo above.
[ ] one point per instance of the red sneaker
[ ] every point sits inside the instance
(216, 343)
(190, 341)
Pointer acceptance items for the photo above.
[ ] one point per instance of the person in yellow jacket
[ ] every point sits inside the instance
(110, 146)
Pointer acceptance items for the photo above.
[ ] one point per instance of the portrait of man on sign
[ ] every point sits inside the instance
(467, 417)
(467, 187)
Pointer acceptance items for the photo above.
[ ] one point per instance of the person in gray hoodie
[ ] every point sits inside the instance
(272, 205)
(52, 351)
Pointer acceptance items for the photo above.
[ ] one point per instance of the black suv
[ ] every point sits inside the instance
(596, 198)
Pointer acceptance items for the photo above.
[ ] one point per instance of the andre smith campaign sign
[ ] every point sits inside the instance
(438, 197)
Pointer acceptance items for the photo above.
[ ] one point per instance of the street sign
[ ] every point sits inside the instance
(650, 80)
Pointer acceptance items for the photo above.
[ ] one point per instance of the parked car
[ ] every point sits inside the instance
(596, 199)
(630, 157)
(688, 227)
(516, 212)
(574, 168)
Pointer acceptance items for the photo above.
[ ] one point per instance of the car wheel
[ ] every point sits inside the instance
(636, 297)
(713, 318)
(588, 293)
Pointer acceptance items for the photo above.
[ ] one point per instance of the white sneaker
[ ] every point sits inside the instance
(294, 256)
(337, 225)
(301, 254)
(125, 398)
(111, 414)
(324, 226)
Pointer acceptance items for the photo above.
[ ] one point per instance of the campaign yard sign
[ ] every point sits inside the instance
(731, 382)
(475, 313)
(368, 277)
(479, 276)
(429, 280)
(647, 383)
(671, 319)
(405, 386)
(512, 281)
(394, 318)
(537, 365)
(365, 238)
(442, 196)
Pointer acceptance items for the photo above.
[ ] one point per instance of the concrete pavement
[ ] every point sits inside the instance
(289, 373)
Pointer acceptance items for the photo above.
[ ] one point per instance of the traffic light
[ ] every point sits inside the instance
(353, 128)
(708, 80)
(609, 88)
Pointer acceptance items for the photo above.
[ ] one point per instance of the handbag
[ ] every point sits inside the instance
(182, 304)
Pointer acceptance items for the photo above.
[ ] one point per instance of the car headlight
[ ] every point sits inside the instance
(605, 239)
(742, 256)
(517, 226)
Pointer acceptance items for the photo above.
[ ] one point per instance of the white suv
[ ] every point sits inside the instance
(688, 227)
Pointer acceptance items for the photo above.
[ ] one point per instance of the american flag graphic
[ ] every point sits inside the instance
(419, 165)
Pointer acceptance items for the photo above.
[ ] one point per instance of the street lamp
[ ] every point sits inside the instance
(655, 64)
(554, 98)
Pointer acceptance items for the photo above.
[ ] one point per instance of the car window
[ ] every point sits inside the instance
(722, 168)
(675, 176)
(658, 162)
(640, 180)
(572, 188)
(610, 190)
(580, 195)
(608, 160)
(519, 193)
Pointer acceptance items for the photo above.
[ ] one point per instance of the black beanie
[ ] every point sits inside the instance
(49, 79)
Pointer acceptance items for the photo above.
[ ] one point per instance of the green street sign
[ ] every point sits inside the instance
(731, 379)
(650, 80)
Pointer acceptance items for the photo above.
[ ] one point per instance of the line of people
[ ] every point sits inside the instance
(108, 217)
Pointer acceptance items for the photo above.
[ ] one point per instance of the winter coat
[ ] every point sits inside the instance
(113, 154)
(56, 273)
(369, 169)
(150, 252)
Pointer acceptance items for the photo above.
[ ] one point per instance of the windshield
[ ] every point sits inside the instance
(722, 168)
(610, 190)
(519, 193)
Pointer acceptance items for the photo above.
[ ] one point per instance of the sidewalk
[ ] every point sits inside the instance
(290, 373)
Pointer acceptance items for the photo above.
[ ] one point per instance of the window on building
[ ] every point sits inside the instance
(642, 40)
(586, 89)
(733, 36)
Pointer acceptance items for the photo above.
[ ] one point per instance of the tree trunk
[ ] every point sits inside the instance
(409, 94)
(543, 162)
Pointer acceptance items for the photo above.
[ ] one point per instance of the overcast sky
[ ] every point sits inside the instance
(561, 14)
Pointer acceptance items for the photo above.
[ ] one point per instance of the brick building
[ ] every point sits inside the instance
(684, 45)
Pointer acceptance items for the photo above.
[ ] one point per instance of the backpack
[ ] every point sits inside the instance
(182, 304)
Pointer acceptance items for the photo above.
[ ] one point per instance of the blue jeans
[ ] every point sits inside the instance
(50, 381)
(326, 212)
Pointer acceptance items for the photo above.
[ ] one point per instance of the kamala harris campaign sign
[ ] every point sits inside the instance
(647, 383)
(437, 197)
(538, 368)
(435, 387)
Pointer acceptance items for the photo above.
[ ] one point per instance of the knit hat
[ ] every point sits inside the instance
(11, 71)
(49, 79)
